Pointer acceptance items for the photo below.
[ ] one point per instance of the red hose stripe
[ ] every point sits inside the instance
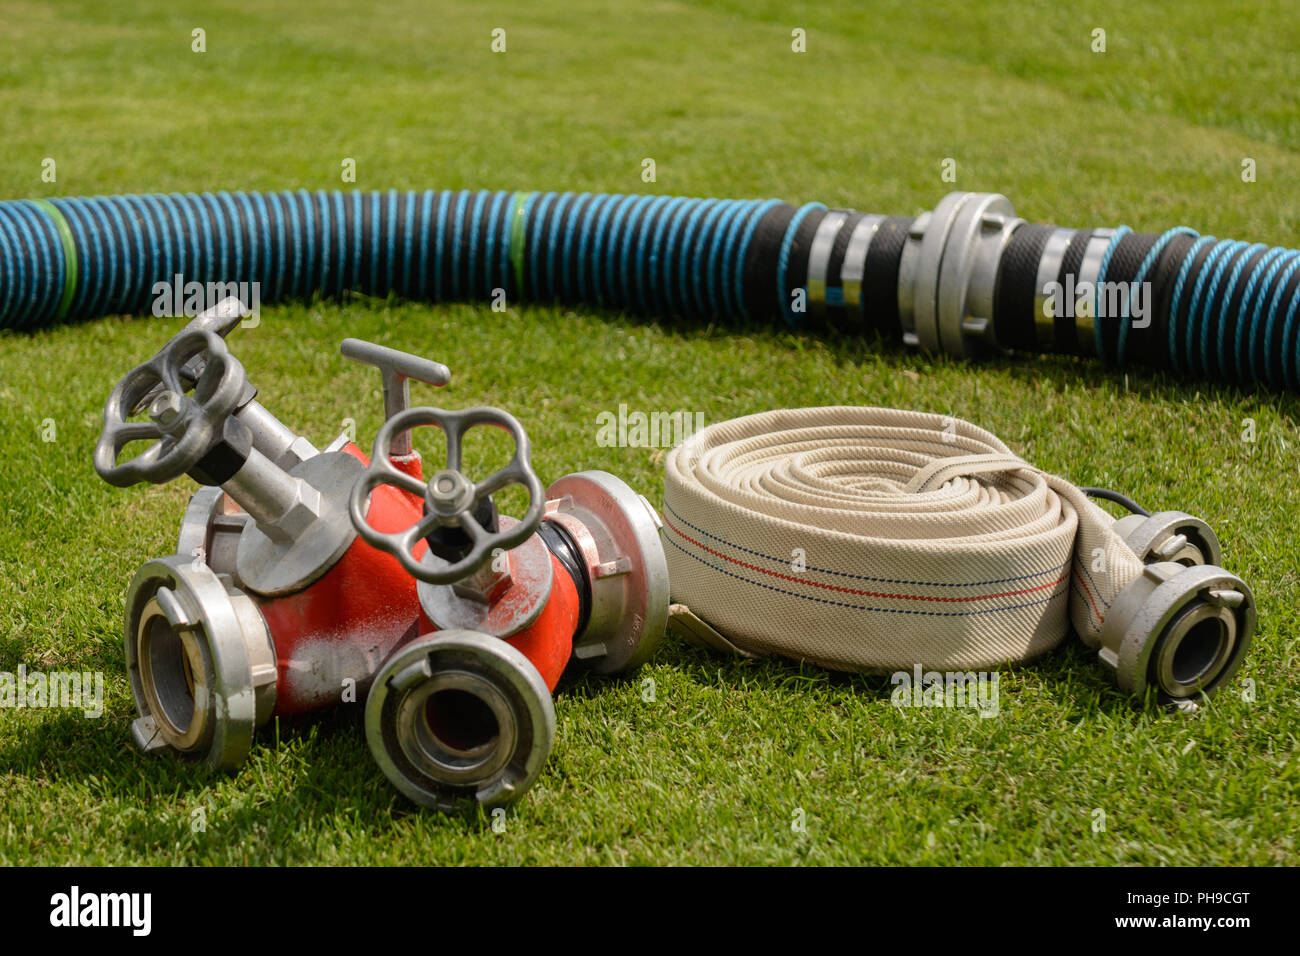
(1088, 594)
(876, 594)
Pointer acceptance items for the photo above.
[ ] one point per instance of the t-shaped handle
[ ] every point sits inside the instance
(397, 368)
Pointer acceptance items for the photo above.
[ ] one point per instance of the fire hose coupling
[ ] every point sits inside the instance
(1180, 630)
(1164, 536)
(1184, 624)
(1170, 536)
(460, 715)
(465, 711)
(201, 663)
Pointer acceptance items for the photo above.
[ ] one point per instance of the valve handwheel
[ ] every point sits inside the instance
(450, 498)
(185, 426)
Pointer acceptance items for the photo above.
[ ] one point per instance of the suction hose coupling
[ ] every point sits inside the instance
(948, 273)
(1178, 629)
(460, 714)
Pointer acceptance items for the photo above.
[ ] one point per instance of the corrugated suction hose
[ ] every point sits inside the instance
(967, 278)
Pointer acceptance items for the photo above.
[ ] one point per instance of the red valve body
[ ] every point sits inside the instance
(343, 626)
(548, 641)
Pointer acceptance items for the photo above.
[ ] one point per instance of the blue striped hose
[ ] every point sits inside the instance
(1255, 343)
(70, 259)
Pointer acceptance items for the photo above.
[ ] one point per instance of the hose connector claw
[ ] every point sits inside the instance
(614, 534)
(948, 273)
(1170, 536)
(201, 662)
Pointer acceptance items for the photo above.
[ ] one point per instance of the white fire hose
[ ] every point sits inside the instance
(875, 539)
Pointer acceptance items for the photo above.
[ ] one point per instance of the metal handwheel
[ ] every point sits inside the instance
(185, 426)
(450, 498)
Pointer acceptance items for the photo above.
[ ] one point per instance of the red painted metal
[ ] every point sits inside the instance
(333, 636)
(548, 641)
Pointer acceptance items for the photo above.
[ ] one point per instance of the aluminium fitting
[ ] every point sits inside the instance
(1180, 630)
(615, 533)
(948, 273)
(201, 662)
(460, 715)
(1170, 536)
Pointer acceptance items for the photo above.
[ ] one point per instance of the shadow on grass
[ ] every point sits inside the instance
(312, 776)
(1064, 371)
(311, 768)
(848, 350)
(1070, 665)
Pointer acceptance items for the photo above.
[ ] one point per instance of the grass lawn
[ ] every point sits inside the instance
(716, 768)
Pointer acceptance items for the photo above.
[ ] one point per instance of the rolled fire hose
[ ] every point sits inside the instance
(967, 278)
(874, 539)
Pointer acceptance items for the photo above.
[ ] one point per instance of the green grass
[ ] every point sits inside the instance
(1152, 133)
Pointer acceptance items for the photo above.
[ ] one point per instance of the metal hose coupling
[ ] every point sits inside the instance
(607, 536)
(1170, 536)
(1164, 536)
(1184, 625)
(201, 662)
(948, 273)
(1179, 629)
(460, 715)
